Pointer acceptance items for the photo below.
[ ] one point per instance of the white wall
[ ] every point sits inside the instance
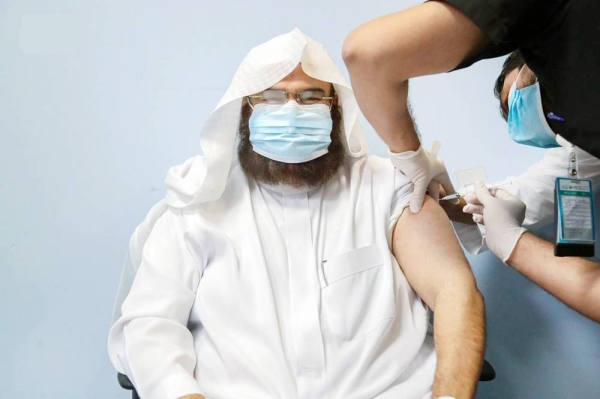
(99, 98)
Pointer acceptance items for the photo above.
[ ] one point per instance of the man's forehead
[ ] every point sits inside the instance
(299, 77)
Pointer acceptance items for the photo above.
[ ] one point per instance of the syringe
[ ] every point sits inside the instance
(471, 189)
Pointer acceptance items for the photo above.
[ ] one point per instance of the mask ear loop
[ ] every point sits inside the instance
(513, 87)
(519, 75)
(249, 102)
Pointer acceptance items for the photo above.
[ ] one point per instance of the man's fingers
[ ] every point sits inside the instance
(472, 199)
(477, 218)
(473, 208)
(483, 194)
(442, 191)
(445, 181)
(504, 195)
(418, 196)
(434, 190)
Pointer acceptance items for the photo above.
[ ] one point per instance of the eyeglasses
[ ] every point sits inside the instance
(306, 97)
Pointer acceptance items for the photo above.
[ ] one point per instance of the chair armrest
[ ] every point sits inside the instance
(487, 372)
(124, 382)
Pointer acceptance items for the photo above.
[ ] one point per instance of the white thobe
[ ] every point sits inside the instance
(276, 292)
(535, 188)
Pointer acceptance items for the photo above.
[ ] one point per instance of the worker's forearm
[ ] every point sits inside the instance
(459, 341)
(574, 281)
(385, 106)
(380, 83)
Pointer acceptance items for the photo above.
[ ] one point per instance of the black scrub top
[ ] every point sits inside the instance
(560, 42)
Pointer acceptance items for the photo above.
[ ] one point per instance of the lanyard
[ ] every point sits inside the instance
(574, 212)
(573, 166)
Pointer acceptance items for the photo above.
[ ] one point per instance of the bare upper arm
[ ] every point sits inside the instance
(429, 38)
(429, 253)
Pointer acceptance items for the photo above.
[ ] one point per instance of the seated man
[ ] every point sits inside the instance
(291, 270)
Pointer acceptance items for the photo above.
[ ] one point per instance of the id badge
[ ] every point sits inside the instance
(574, 209)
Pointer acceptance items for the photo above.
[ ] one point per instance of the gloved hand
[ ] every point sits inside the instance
(426, 171)
(502, 214)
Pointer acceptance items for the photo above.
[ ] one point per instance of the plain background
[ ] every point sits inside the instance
(99, 98)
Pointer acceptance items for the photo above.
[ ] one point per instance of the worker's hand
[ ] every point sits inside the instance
(502, 213)
(194, 396)
(426, 171)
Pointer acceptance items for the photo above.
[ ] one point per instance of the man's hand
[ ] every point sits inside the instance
(194, 396)
(502, 214)
(426, 171)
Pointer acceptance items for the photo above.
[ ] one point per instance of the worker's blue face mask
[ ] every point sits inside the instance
(526, 122)
(289, 132)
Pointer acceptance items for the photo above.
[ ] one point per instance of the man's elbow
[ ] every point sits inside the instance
(475, 299)
(478, 299)
(359, 50)
(462, 292)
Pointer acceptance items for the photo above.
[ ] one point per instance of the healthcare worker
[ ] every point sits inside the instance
(528, 202)
(559, 40)
(287, 268)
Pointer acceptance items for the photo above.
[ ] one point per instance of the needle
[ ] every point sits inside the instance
(461, 193)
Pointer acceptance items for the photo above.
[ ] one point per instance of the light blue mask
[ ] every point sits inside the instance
(526, 122)
(289, 132)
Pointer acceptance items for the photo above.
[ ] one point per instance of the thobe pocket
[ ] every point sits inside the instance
(358, 294)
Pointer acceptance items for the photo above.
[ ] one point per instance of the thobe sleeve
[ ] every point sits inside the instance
(403, 189)
(151, 340)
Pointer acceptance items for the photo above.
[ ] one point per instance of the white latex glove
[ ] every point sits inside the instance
(426, 171)
(502, 214)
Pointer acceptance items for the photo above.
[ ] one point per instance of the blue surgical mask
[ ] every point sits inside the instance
(289, 132)
(526, 122)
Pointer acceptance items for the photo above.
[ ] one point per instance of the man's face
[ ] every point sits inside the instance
(525, 78)
(307, 174)
(298, 81)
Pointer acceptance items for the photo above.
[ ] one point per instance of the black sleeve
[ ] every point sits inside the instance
(560, 42)
(509, 24)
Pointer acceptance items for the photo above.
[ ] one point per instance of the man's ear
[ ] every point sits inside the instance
(334, 95)
(246, 103)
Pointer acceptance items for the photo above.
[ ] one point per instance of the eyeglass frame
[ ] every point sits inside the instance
(297, 95)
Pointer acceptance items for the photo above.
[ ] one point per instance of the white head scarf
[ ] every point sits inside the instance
(203, 178)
